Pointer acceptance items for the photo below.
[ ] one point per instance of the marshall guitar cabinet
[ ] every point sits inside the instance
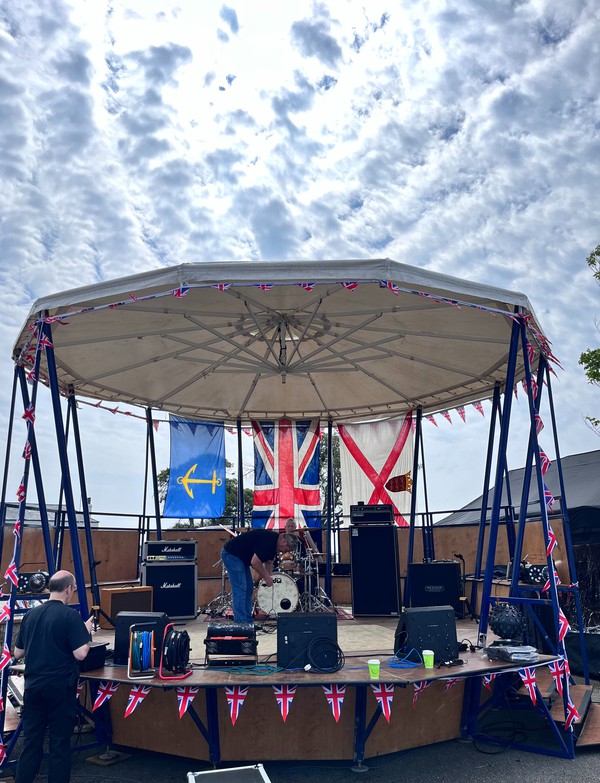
(174, 586)
(164, 551)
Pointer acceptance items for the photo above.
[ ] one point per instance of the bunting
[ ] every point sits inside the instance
(563, 625)
(335, 698)
(384, 693)
(6, 657)
(11, 573)
(284, 695)
(418, 689)
(106, 690)
(460, 409)
(488, 679)
(185, 696)
(5, 611)
(557, 669)
(552, 542)
(236, 696)
(137, 694)
(572, 715)
(528, 677)
(450, 683)
(479, 407)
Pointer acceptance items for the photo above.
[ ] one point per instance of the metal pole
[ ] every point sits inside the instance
(154, 475)
(7, 462)
(330, 502)
(413, 505)
(240, 487)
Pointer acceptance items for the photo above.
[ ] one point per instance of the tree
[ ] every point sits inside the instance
(590, 359)
(337, 474)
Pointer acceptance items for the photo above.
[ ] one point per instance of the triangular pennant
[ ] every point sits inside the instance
(185, 696)
(284, 695)
(105, 691)
(384, 693)
(419, 687)
(528, 677)
(235, 698)
(335, 698)
(137, 694)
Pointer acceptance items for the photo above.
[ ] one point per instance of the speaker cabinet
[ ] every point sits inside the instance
(174, 588)
(123, 599)
(436, 584)
(124, 620)
(374, 570)
(427, 628)
(303, 638)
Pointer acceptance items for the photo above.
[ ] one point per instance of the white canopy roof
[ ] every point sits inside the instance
(243, 352)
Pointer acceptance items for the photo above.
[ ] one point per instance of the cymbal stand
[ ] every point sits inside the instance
(314, 598)
(222, 602)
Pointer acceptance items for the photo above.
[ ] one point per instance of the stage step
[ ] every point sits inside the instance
(545, 683)
(581, 695)
(590, 733)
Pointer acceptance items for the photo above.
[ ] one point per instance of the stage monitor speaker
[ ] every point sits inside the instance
(123, 599)
(427, 628)
(300, 640)
(175, 587)
(125, 620)
(374, 571)
(436, 584)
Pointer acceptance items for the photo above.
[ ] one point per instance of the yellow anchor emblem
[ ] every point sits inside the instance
(186, 481)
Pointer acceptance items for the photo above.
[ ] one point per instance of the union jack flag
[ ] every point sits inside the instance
(222, 286)
(21, 491)
(544, 462)
(539, 424)
(185, 696)
(286, 472)
(390, 286)
(450, 683)
(31, 376)
(235, 698)
(29, 414)
(137, 694)
(105, 691)
(546, 586)
(548, 497)
(530, 350)
(418, 688)
(563, 625)
(350, 286)
(1, 704)
(384, 693)
(179, 293)
(557, 669)
(6, 657)
(528, 677)
(431, 419)
(284, 695)
(45, 342)
(264, 286)
(2, 750)
(479, 407)
(80, 687)
(572, 715)
(5, 611)
(11, 573)
(446, 415)
(335, 698)
(487, 680)
(307, 286)
(133, 298)
(27, 450)
(17, 529)
(461, 412)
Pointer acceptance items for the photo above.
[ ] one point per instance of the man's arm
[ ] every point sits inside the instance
(18, 653)
(263, 569)
(80, 652)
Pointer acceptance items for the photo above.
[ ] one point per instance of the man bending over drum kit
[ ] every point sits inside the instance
(256, 548)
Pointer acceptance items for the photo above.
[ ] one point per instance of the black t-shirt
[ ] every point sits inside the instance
(49, 634)
(259, 542)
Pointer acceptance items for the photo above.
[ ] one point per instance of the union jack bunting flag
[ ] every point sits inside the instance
(2, 750)
(137, 694)
(179, 293)
(264, 286)
(80, 687)
(335, 698)
(461, 412)
(487, 680)
(350, 286)
(222, 286)
(1, 704)
(31, 376)
(557, 669)
(105, 691)
(530, 352)
(572, 715)
(548, 497)
(235, 698)
(539, 424)
(446, 415)
(431, 419)
(185, 696)
(384, 693)
(45, 342)
(284, 695)
(27, 450)
(307, 286)
(563, 625)
(6, 657)
(450, 683)
(11, 573)
(528, 677)
(17, 529)
(5, 612)
(479, 407)
(545, 462)
(546, 586)
(286, 472)
(390, 286)
(21, 491)
(29, 414)
(418, 689)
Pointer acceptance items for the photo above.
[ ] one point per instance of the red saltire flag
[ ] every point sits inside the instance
(335, 698)
(419, 687)
(45, 342)
(236, 696)
(461, 412)
(17, 529)
(264, 286)
(373, 456)
(572, 715)
(390, 286)
(307, 286)
(105, 691)
(27, 450)
(5, 612)
(6, 657)
(539, 424)
(563, 625)
(546, 586)
(479, 407)
(137, 694)
(431, 419)
(544, 462)
(286, 472)
(222, 286)
(284, 695)
(11, 573)
(384, 693)
(487, 680)
(350, 286)
(185, 696)
(528, 677)
(178, 293)
(21, 491)
(557, 669)
(29, 414)
(446, 415)
(450, 683)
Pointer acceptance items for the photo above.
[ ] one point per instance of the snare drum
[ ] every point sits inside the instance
(282, 597)
(287, 561)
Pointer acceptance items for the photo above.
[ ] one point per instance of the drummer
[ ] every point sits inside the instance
(256, 548)
(305, 537)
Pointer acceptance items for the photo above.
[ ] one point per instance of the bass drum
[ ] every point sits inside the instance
(282, 597)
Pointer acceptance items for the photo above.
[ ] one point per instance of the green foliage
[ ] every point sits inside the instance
(337, 474)
(590, 359)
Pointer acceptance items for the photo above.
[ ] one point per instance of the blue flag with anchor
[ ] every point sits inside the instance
(197, 469)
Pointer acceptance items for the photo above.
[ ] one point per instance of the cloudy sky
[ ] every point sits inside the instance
(461, 137)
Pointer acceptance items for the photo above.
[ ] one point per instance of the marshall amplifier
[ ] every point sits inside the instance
(174, 587)
(157, 551)
(381, 514)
